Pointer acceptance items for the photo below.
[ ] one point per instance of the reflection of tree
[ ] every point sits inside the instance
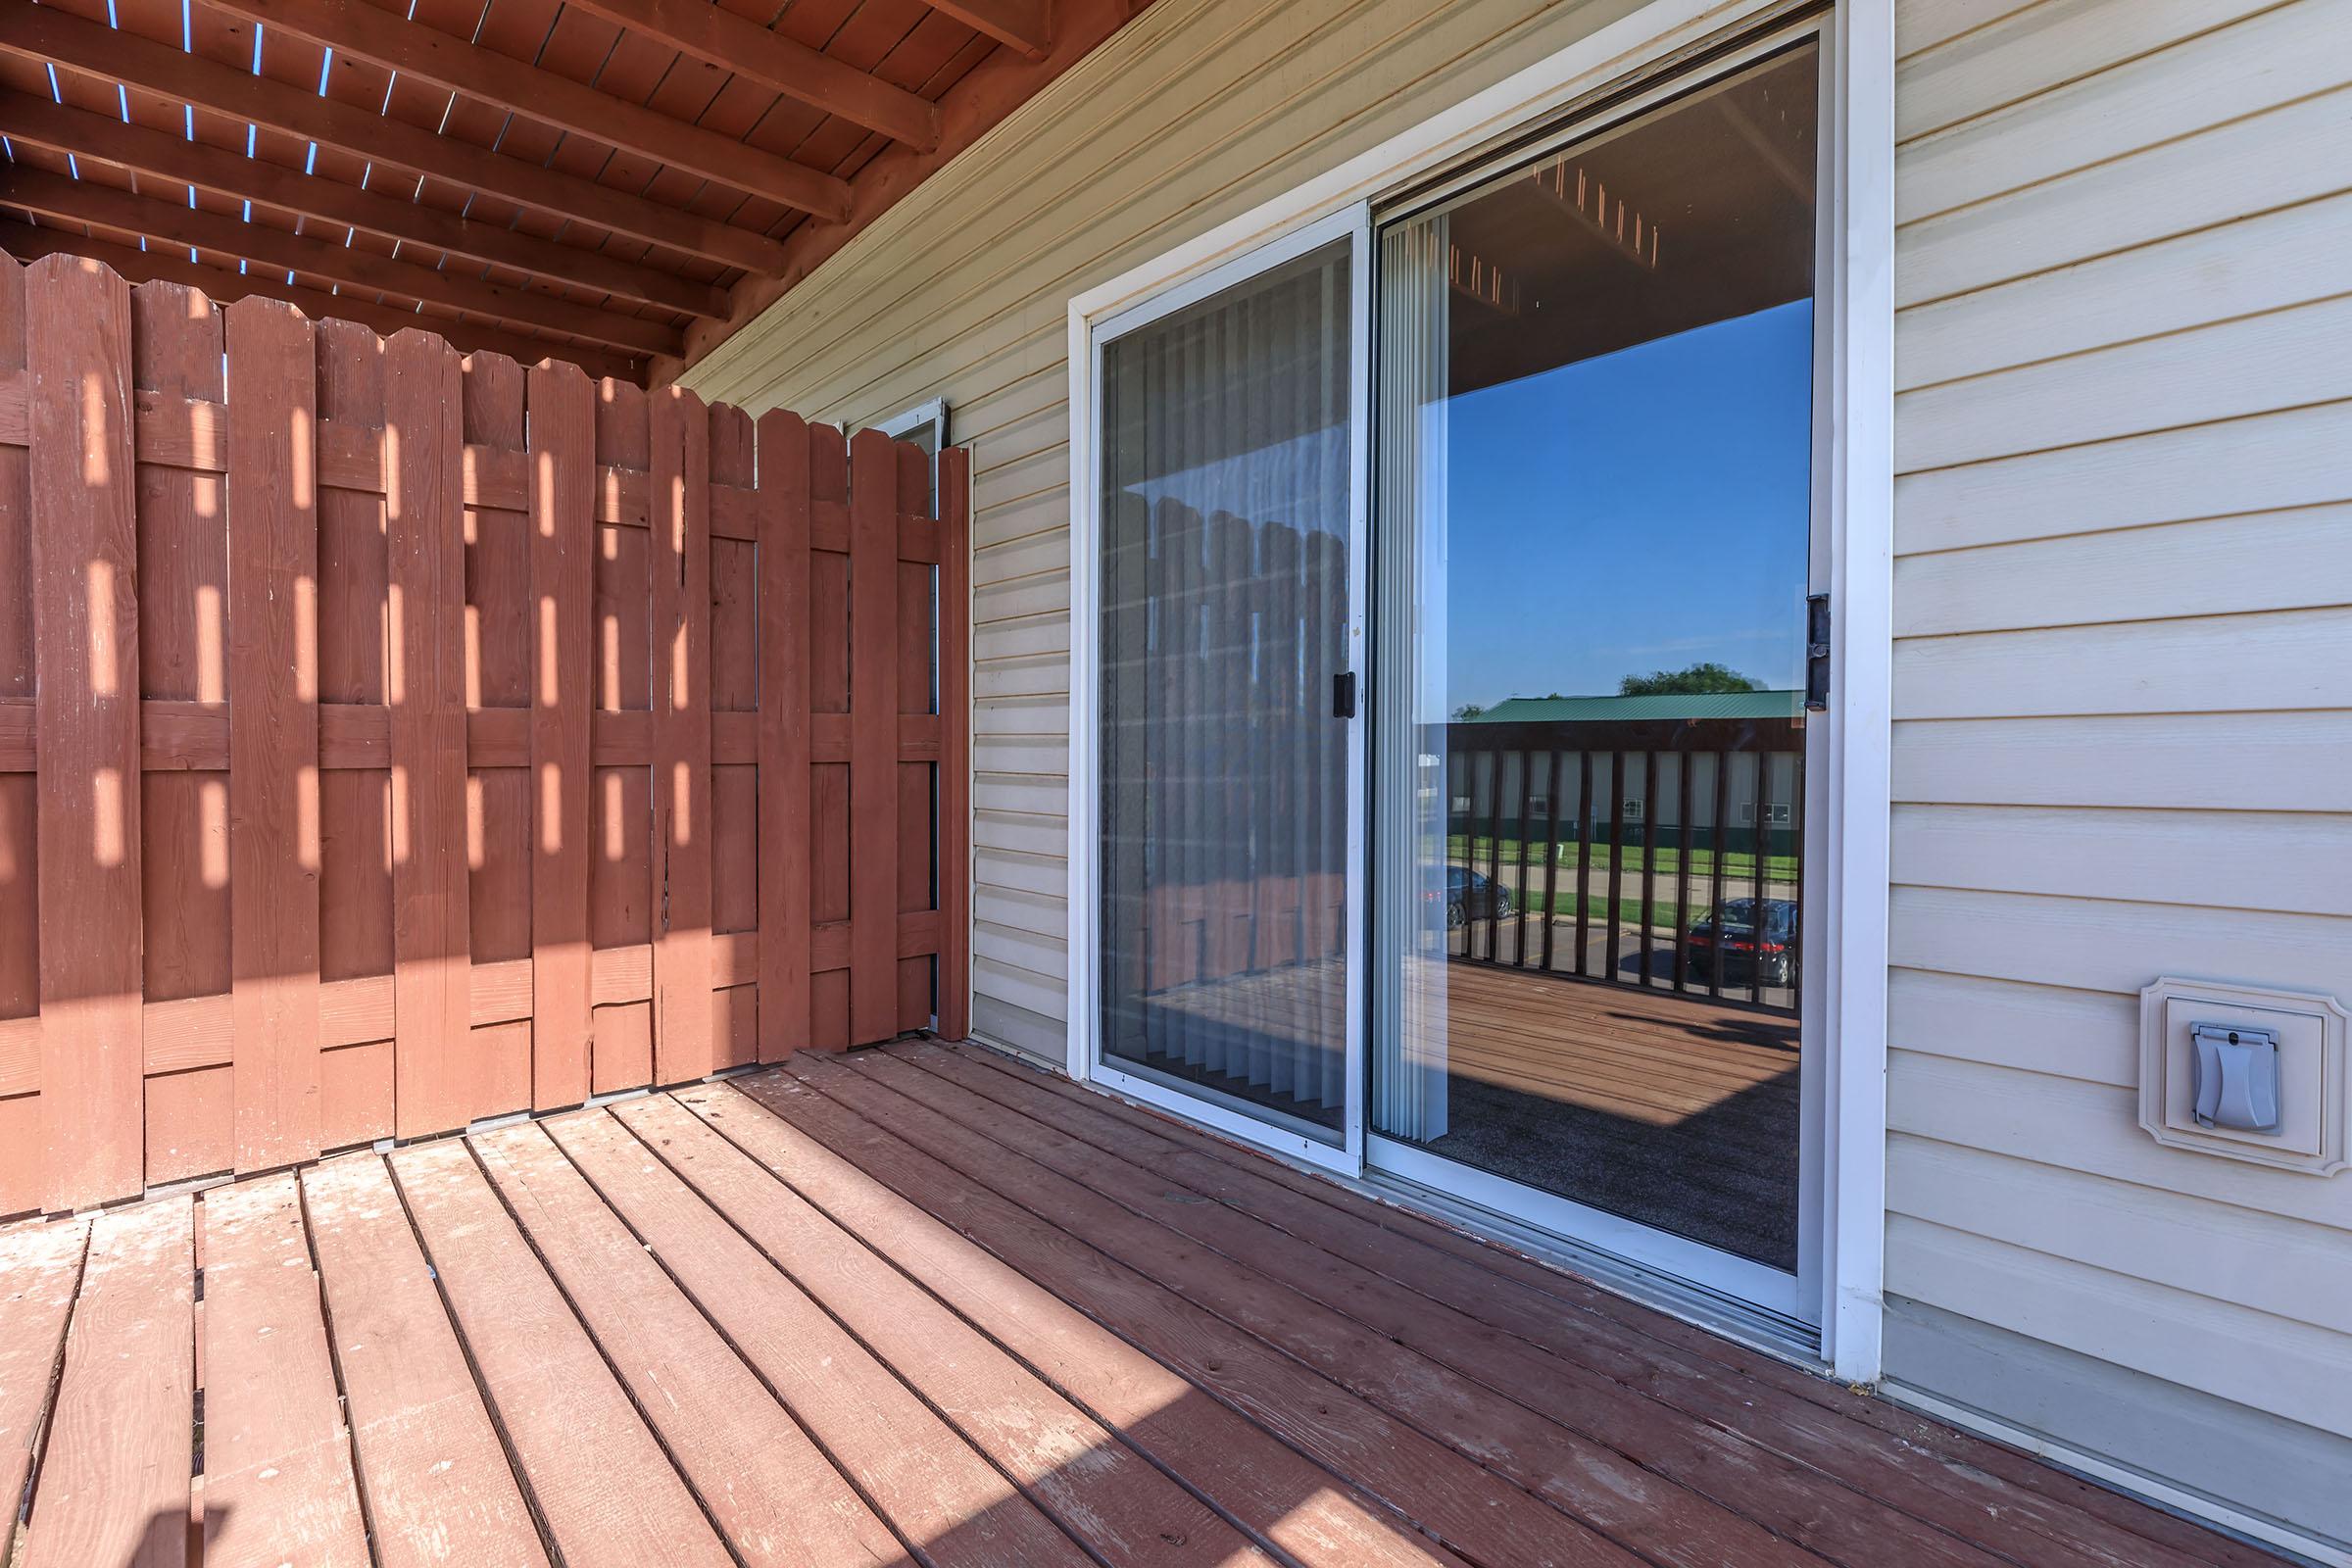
(1469, 711)
(1702, 678)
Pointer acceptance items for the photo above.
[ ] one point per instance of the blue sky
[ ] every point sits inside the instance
(1646, 509)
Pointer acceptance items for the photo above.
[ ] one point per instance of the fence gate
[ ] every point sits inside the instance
(391, 739)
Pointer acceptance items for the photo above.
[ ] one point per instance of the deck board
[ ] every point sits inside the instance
(40, 1268)
(772, 1492)
(277, 1479)
(115, 1478)
(928, 1305)
(434, 1476)
(931, 1485)
(566, 1419)
(1102, 1491)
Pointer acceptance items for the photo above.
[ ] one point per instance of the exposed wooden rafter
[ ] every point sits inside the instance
(1025, 25)
(89, 202)
(105, 140)
(721, 39)
(971, 109)
(368, 32)
(26, 243)
(39, 32)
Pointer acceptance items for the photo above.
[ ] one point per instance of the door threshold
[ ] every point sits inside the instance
(1741, 1321)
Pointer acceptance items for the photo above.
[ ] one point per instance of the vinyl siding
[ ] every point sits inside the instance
(1198, 111)
(2124, 704)
(2123, 605)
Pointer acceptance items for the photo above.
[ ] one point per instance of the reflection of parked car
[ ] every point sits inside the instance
(1743, 953)
(1470, 895)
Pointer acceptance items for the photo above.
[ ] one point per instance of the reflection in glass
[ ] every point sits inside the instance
(1593, 410)
(1225, 600)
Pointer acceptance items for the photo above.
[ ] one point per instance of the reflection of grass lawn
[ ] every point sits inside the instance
(1735, 863)
(1597, 908)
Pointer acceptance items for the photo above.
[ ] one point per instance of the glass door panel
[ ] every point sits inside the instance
(1227, 509)
(1595, 476)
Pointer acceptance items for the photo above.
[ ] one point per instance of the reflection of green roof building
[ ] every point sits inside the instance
(1498, 776)
(1643, 710)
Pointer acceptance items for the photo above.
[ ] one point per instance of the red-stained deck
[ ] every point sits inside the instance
(924, 1304)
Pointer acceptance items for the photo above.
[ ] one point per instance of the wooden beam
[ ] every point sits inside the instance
(100, 137)
(84, 200)
(44, 33)
(994, 90)
(370, 33)
(27, 243)
(719, 38)
(1025, 25)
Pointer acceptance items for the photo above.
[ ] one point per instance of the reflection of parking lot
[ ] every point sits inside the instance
(1631, 942)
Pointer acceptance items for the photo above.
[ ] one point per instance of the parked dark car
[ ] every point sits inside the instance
(1472, 896)
(1730, 935)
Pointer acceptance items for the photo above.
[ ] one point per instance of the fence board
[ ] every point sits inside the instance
(434, 1087)
(451, 738)
(562, 435)
(183, 660)
(21, 1165)
(682, 574)
(275, 816)
(873, 748)
(954, 792)
(86, 724)
(785, 720)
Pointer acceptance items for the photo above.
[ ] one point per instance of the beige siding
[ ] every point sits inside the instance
(2124, 599)
(1199, 111)
(2124, 701)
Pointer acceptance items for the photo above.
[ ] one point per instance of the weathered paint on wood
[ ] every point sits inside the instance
(562, 435)
(84, 560)
(115, 1483)
(433, 1054)
(277, 1477)
(681, 794)
(275, 796)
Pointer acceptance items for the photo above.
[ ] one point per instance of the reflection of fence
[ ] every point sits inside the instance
(422, 738)
(1607, 842)
(1224, 803)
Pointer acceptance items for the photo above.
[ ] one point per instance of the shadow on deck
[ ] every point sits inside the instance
(925, 1304)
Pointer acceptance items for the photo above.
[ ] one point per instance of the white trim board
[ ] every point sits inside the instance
(1858, 39)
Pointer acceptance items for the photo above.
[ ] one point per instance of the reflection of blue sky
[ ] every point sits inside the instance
(1302, 481)
(1641, 510)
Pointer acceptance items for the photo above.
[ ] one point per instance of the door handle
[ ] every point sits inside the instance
(1343, 694)
(1817, 652)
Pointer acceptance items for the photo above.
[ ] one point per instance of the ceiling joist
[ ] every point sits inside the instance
(30, 244)
(1025, 25)
(164, 156)
(721, 39)
(83, 201)
(42, 34)
(368, 32)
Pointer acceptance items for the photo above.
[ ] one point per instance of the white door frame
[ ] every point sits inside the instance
(1345, 1155)
(1858, 295)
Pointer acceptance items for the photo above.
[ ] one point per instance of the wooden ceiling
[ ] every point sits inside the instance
(618, 182)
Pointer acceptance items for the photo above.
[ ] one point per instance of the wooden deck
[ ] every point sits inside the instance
(923, 1305)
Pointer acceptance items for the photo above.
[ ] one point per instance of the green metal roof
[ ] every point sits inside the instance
(1632, 710)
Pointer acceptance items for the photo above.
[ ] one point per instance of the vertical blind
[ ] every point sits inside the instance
(1224, 578)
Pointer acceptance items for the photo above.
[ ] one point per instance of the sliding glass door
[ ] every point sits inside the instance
(1227, 744)
(1552, 423)
(1594, 450)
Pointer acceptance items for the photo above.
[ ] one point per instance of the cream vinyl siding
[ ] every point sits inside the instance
(2124, 598)
(1198, 111)
(2123, 743)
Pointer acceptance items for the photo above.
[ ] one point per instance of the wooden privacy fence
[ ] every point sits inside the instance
(390, 740)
